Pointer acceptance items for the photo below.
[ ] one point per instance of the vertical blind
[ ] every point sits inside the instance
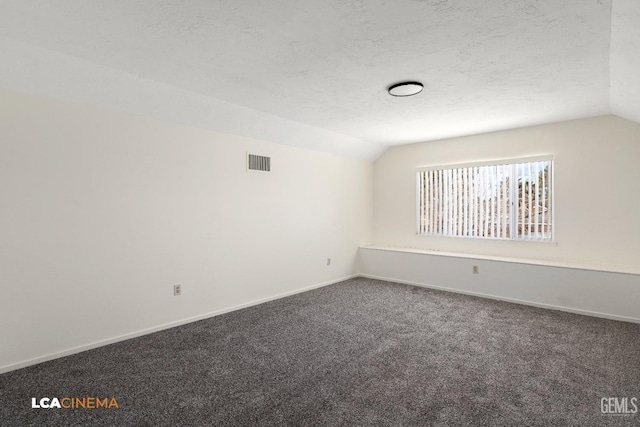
(505, 200)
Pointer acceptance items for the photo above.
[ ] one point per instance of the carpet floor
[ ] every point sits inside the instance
(360, 352)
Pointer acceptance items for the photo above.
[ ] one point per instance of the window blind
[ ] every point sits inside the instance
(506, 200)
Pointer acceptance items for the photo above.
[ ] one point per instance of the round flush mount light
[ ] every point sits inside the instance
(405, 89)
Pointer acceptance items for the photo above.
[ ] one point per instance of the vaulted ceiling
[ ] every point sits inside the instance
(314, 73)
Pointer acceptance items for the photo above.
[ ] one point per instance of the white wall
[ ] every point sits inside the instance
(597, 207)
(101, 213)
(597, 221)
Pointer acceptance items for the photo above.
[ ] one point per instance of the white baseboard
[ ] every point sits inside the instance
(512, 300)
(101, 343)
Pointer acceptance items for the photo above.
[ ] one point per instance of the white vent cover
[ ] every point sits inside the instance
(258, 163)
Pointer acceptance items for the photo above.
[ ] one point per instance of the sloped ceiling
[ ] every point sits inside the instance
(314, 73)
(625, 59)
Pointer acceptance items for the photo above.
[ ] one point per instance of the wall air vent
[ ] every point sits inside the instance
(258, 163)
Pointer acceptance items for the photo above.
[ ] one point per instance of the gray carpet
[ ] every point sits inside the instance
(361, 352)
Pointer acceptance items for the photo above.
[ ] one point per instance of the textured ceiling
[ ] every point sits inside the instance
(625, 59)
(314, 73)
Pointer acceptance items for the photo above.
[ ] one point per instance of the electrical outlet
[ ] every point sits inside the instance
(328, 261)
(177, 290)
(475, 269)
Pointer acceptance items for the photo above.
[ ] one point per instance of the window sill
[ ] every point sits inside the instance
(491, 239)
(579, 265)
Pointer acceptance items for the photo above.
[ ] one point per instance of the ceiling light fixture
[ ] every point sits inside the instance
(405, 89)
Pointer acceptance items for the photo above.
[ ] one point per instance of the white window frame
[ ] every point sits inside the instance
(513, 208)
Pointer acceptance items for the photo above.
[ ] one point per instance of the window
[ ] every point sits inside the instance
(509, 199)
